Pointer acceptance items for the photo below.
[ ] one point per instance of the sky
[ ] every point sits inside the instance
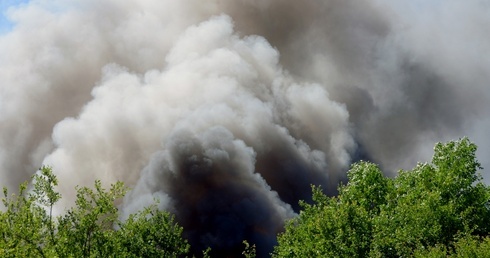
(5, 24)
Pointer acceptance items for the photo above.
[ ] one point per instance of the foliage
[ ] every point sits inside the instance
(141, 240)
(28, 228)
(437, 209)
(249, 251)
(466, 246)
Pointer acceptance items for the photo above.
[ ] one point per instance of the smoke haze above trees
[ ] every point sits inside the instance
(221, 108)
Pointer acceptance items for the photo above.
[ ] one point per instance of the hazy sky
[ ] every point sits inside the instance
(5, 24)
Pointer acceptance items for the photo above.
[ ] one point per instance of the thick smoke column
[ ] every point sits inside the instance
(227, 111)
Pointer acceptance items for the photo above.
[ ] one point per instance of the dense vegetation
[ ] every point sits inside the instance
(28, 228)
(438, 209)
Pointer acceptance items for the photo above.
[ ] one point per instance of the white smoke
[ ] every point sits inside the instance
(225, 108)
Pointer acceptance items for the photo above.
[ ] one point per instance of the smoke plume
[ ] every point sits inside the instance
(228, 111)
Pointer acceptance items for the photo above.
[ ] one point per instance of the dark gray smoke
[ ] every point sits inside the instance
(211, 185)
(227, 111)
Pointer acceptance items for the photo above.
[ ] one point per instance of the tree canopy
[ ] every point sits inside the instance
(28, 228)
(438, 209)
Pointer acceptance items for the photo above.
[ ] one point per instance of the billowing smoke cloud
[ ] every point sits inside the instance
(227, 111)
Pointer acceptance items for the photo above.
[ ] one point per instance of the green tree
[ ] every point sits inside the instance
(338, 226)
(28, 228)
(420, 212)
(87, 228)
(140, 236)
(463, 247)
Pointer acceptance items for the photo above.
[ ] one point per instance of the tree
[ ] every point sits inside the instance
(152, 233)
(463, 247)
(28, 228)
(441, 207)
